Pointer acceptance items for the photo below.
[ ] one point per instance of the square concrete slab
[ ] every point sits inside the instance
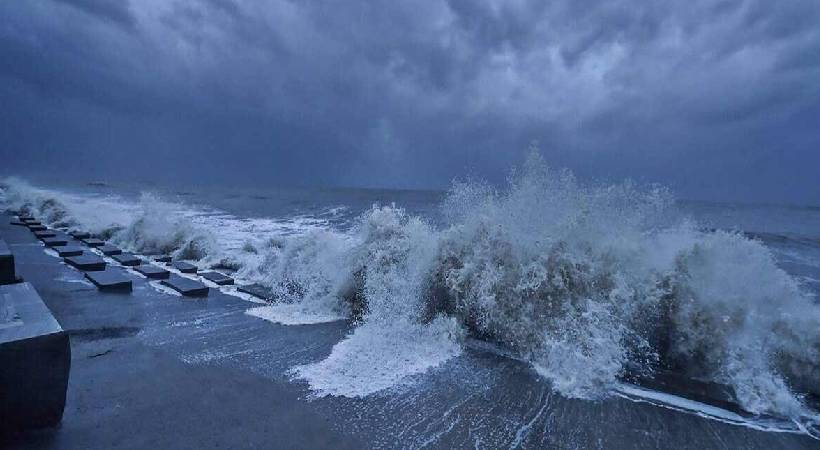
(37, 227)
(35, 357)
(186, 287)
(153, 272)
(184, 267)
(216, 277)
(7, 274)
(80, 234)
(45, 234)
(17, 222)
(109, 250)
(29, 219)
(127, 259)
(67, 251)
(92, 242)
(257, 290)
(55, 242)
(162, 258)
(110, 280)
(86, 263)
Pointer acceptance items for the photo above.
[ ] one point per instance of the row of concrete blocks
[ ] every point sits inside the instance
(35, 355)
(96, 271)
(150, 271)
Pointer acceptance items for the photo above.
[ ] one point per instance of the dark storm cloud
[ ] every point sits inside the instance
(718, 99)
(114, 11)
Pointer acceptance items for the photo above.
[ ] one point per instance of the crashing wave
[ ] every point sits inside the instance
(591, 285)
(149, 225)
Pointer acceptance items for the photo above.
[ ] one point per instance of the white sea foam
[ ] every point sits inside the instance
(295, 314)
(376, 357)
(637, 394)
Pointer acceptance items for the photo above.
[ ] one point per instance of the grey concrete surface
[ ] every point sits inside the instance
(35, 357)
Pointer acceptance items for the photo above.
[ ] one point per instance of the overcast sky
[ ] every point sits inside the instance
(717, 99)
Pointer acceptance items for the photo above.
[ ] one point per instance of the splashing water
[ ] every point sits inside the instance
(591, 285)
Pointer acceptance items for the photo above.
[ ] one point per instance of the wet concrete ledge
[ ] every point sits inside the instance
(184, 267)
(127, 259)
(7, 272)
(152, 271)
(35, 359)
(110, 279)
(218, 278)
(86, 262)
(186, 287)
(109, 250)
(45, 234)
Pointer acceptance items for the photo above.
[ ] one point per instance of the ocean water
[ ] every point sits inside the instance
(593, 286)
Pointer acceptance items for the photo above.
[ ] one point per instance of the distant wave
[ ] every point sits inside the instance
(591, 285)
(783, 238)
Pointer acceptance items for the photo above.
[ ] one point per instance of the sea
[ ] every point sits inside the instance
(598, 288)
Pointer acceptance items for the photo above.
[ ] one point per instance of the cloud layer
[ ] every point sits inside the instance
(719, 99)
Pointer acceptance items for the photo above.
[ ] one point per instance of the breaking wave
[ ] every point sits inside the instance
(591, 285)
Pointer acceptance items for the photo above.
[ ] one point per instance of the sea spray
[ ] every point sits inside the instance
(388, 264)
(592, 285)
(159, 228)
(743, 321)
(148, 225)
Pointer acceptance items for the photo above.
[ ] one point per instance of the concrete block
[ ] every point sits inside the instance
(28, 219)
(162, 258)
(86, 263)
(110, 280)
(7, 274)
(37, 227)
(55, 241)
(216, 277)
(80, 234)
(153, 272)
(257, 290)
(184, 267)
(109, 250)
(92, 242)
(67, 251)
(127, 259)
(186, 287)
(18, 223)
(45, 234)
(35, 357)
